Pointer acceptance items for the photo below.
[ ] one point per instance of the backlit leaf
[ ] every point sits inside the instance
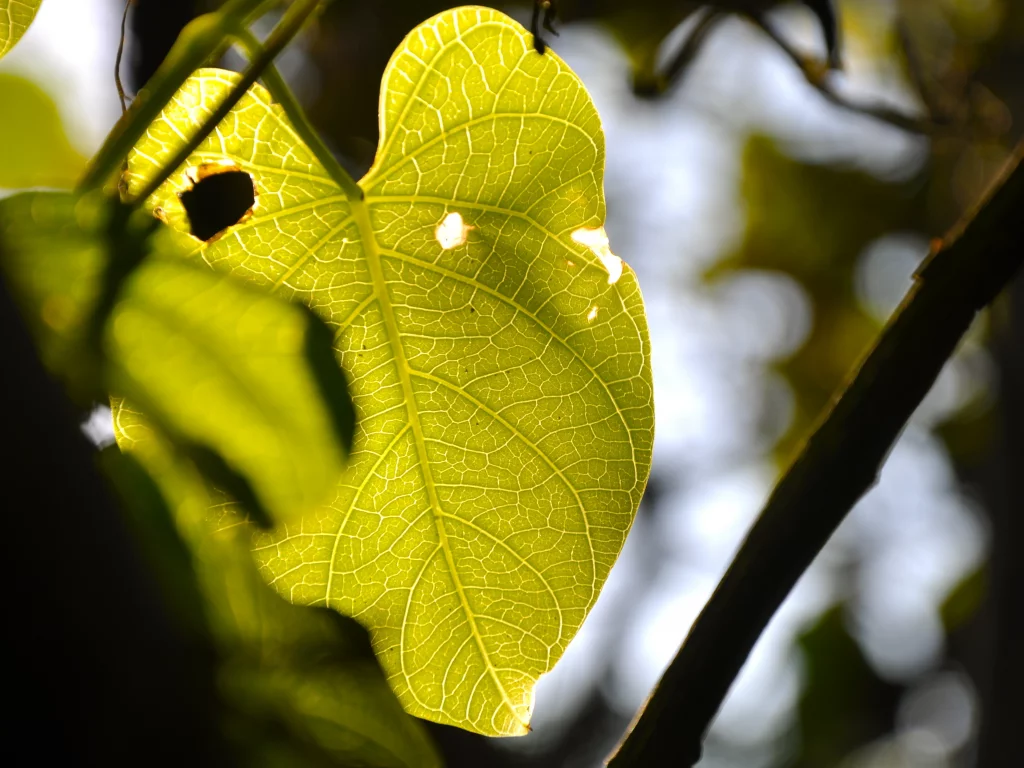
(15, 17)
(215, 362)
(498, 352)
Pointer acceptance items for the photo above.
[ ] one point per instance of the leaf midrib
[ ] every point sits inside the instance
(361, 212)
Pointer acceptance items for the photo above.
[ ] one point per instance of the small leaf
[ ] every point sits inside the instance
(499, 358)
(15, 18)
(216, 363)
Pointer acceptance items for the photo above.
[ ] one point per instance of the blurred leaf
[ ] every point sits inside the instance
(161, 545)
(964, 59)
(302, 685)
(54, 255)
(500, 366)
(15, 18)
(225, 478)
(225, 366)
(34, 148)
(219, 364)
(970, 432)
(812, 222)
(844, 704)
(964, 599)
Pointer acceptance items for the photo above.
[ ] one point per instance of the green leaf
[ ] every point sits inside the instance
(225, 366)
(215, 362)
(498, 353)
(300, 686)
(15, 18)
(34, 146)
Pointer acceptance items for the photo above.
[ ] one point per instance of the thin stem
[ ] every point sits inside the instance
(120, 55)
(839, 463)
(297, 115)
(281, 35)
(203, 39)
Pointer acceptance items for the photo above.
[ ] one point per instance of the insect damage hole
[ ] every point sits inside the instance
(597, 241)
(221, 196)
(452, 232)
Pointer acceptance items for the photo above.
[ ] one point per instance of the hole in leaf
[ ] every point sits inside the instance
(452, 231)
(597, 241)
(220, 197)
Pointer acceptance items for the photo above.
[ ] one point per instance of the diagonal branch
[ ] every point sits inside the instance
(839, 463)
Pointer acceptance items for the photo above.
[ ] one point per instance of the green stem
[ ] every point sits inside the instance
(839, 463)
(203, 39)
(282, 34)
(296, 114)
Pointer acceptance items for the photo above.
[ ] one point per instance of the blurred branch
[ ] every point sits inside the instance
(814, 71)
(839, 463)
(817, 75)
(683, 58)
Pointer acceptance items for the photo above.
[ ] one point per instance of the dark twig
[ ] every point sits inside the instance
(839, 463)
(120, 55)
(548, 7)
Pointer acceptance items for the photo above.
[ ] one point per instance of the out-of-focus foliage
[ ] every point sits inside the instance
(844, 703)
(299, 686)
(964, 60)
(964, 600)
(15, 18)
(498, 352)
(34, 148)
(294, 686)
(816, 223)
(812, 223)
(223, 367)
